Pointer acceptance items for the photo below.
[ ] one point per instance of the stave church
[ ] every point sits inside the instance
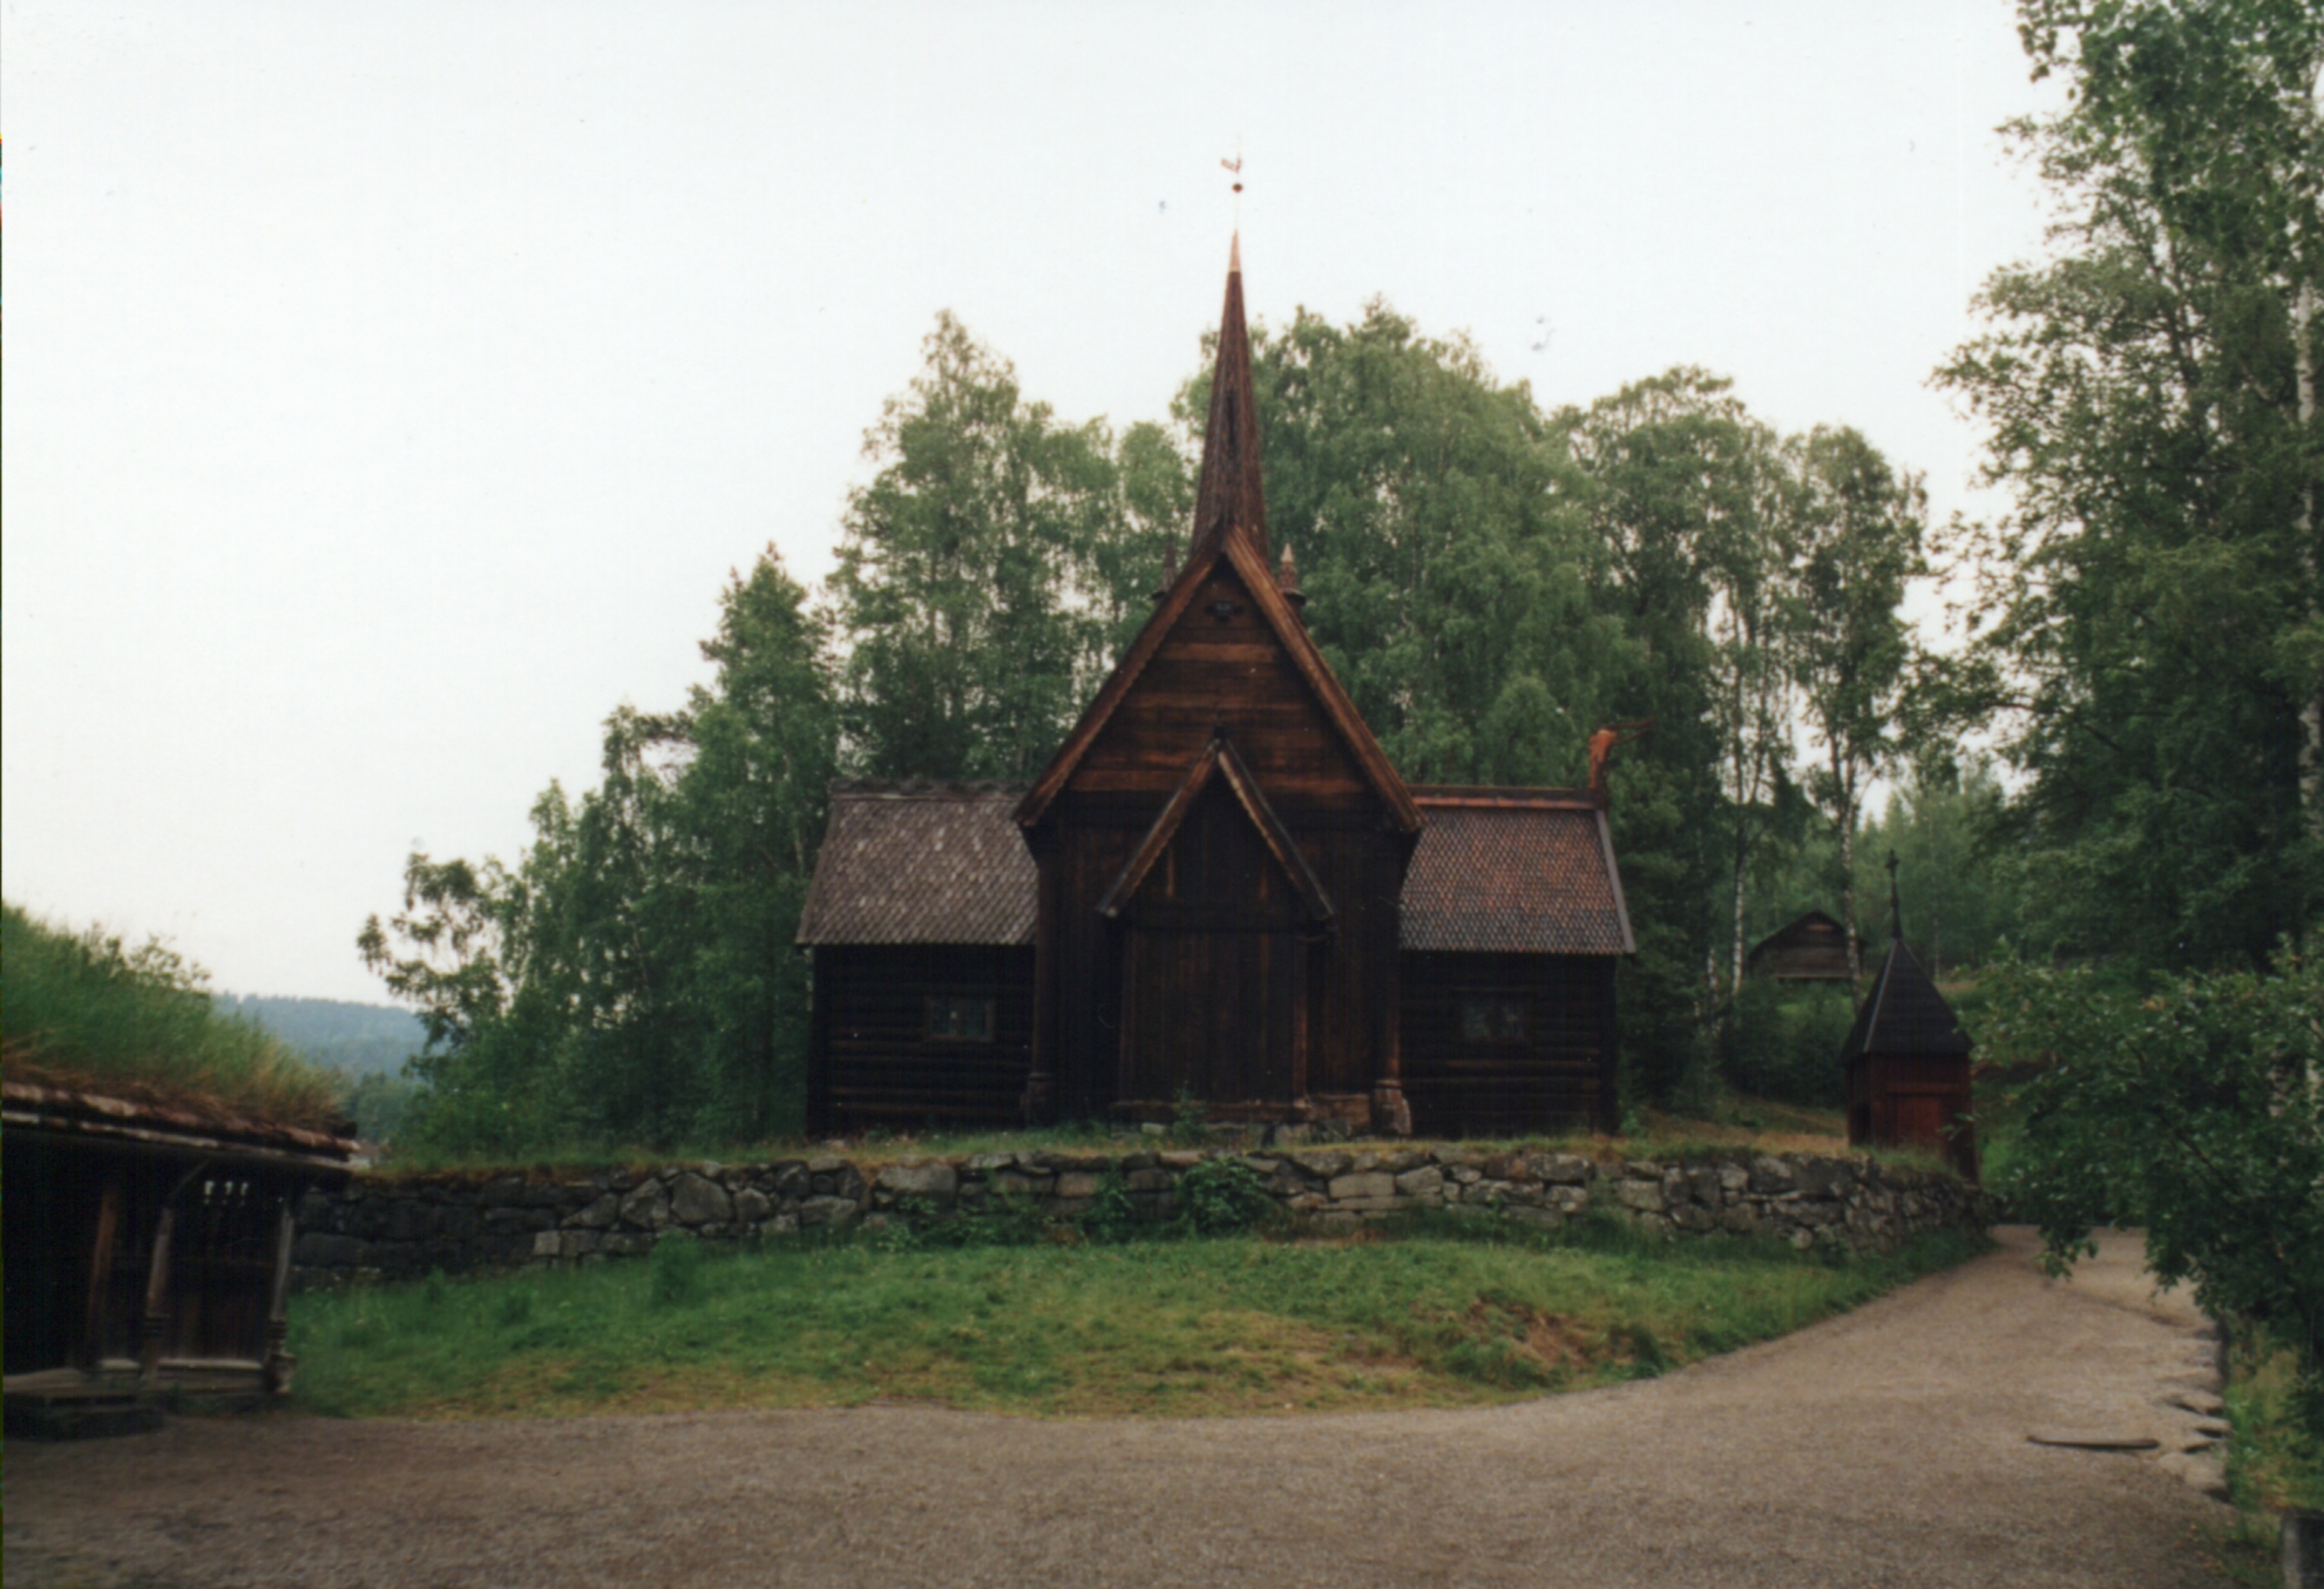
(1219, 893)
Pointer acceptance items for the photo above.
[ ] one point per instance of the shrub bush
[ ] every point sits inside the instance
(1219, 1197)
(1110, 1216)
(1783, 1042)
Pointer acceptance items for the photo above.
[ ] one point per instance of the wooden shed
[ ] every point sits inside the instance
(149, 1253)
(1813, 948)
(1211, 896)
(1908, 1067)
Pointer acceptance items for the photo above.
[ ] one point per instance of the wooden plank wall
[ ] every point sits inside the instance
(875, 1064)
(1556, 1079)
(1913, 1101)
(218, 1270)
(1352, 978)
(1212, 670)
(1214, 987)
(1230, 672)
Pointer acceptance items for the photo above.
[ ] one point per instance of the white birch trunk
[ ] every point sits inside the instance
(2311, 713)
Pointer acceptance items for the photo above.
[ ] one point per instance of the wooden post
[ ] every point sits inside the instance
(157, 1296)
(89, 1352)
(278, 1362)
(1391, 1115)
(1039, 1102)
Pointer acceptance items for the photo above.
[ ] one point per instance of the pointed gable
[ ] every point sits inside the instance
(1224, 649)
(1219, 761)
(1904, 1014)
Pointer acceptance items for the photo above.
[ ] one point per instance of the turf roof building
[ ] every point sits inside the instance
(1218, 890)
(149, 1246)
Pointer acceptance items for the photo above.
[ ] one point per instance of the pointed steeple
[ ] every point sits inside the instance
(1229, 499)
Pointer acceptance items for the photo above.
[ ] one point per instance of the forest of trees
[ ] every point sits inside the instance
(2141, 646)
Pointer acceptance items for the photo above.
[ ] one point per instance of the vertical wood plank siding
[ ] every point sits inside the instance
(1221, 666)
(214, 1305)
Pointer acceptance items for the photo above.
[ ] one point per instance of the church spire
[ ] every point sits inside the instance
(1229, 499)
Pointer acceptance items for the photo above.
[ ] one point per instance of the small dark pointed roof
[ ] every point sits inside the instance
(1229, 497)
(1904, 1014)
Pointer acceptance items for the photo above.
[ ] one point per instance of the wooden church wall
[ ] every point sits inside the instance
(910, 1033)
(1221, 666)
(1508, 1045)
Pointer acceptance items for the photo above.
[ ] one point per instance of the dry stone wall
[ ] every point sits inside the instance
(387, 1228)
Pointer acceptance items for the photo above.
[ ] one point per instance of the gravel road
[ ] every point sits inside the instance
(1884, 1447)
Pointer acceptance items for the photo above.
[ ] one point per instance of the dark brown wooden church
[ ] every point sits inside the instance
(1219, 889)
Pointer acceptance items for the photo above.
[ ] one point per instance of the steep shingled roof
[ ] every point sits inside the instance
(1514, 871)
(1903, 1013)
(921, 863)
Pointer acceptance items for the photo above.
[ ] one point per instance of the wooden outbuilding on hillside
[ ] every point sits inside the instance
(1813, 948)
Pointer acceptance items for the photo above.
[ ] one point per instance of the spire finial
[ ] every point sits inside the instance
(1895, 906)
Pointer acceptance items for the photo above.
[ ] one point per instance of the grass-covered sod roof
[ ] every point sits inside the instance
(82, 1011)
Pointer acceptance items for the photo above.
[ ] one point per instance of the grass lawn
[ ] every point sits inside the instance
(1442, 1315)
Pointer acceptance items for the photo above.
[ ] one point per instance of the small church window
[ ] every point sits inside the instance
(1492, 1020)
(960, 1021)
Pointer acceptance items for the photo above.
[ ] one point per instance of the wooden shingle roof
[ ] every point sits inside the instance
(1514, 871)
(1507, 871)
(1903, 1013)
(921, 863)
(127, 1114)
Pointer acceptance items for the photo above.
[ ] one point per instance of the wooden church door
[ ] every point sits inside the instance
(1214, 968)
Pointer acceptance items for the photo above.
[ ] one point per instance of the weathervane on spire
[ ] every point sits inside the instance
(1234, 167)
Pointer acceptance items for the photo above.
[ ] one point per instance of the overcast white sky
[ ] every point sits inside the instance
(389, 389)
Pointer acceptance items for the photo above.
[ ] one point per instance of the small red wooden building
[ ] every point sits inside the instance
(1908, 1063)
(1222, 890)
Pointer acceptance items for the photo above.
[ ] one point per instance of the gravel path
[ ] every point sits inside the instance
(1886, 1447)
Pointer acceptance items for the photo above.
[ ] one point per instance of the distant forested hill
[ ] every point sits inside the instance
(360, 1040)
